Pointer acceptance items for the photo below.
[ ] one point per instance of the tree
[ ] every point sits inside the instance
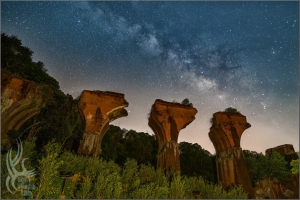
(49, 182)
(275, 166)
(16, 59)
(118, 145)
(232, 110)
(295, 166)
(252, 159)
(268, 167)
(194, 160)
(186, 102)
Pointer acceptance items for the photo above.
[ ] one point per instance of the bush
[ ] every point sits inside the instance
(186, 102)
(232, 110)
(97, 178)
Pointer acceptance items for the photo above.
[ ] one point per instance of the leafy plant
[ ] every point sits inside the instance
(49, 182)
(267, 167)
(295, 166)
(232, 110)
(186, 102)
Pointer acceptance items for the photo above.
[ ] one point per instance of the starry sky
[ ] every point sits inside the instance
(216, 54)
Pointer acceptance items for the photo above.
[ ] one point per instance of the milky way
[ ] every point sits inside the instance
(216, 54)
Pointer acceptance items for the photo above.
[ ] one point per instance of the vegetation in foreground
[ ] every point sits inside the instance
(62, 174)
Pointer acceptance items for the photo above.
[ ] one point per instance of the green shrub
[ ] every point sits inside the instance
(232, 110)
(48, 180)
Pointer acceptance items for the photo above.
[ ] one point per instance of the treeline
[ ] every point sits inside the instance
(119, 144)
(62, 174)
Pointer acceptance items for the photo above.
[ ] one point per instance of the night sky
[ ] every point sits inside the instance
(216, 54)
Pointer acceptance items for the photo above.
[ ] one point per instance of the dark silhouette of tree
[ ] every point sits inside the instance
(266, 167)
(194, 160)
(186, 102)
(118, 145)
(17, 61)
(232, 110)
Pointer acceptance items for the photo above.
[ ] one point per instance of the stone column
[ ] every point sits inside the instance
(225, 134)
(166, 120)
(98, 109)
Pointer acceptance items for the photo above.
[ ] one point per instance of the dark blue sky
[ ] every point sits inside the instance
(217, 54)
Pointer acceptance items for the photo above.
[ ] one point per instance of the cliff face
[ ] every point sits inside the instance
(166, 120)
(20, 100)
(98, 108)
(225, 134)
(288, 189)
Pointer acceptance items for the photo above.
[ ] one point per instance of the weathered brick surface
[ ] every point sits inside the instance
(20, 100)
(98, 108)
(166, 120)
(225, 134)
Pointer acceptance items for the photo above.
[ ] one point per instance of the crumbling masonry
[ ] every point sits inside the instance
(166, 120)
(99, 109)
(21, 99)
(225, 134)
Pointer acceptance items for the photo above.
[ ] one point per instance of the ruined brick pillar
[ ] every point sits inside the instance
(98, 108)
(166, 120)
(21, 99)
(225, 134)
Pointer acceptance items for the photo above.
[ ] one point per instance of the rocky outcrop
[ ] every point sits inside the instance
(286, 150)
(275, 189)
(225, 134)
(20, 100)
(98, 108)
(166, 120)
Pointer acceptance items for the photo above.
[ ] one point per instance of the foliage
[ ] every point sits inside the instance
(29, 154)
(119, 144)
(108, 185)
(267, 167)
(17, 60)
(186, 102)
(61, 117)
(275, 166)
(194, 160)
(232, 110)
(97, 178)
(295, 166)
(49, 182)
(141, 146)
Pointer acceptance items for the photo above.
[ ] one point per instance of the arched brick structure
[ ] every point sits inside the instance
(98, 108)
(225, 134)
(166, 120)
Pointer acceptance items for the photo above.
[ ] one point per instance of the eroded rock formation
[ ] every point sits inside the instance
(166, 120)
(274, 189)
(286, 150)
(20, 100)
(225, 134)
(98, 108)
